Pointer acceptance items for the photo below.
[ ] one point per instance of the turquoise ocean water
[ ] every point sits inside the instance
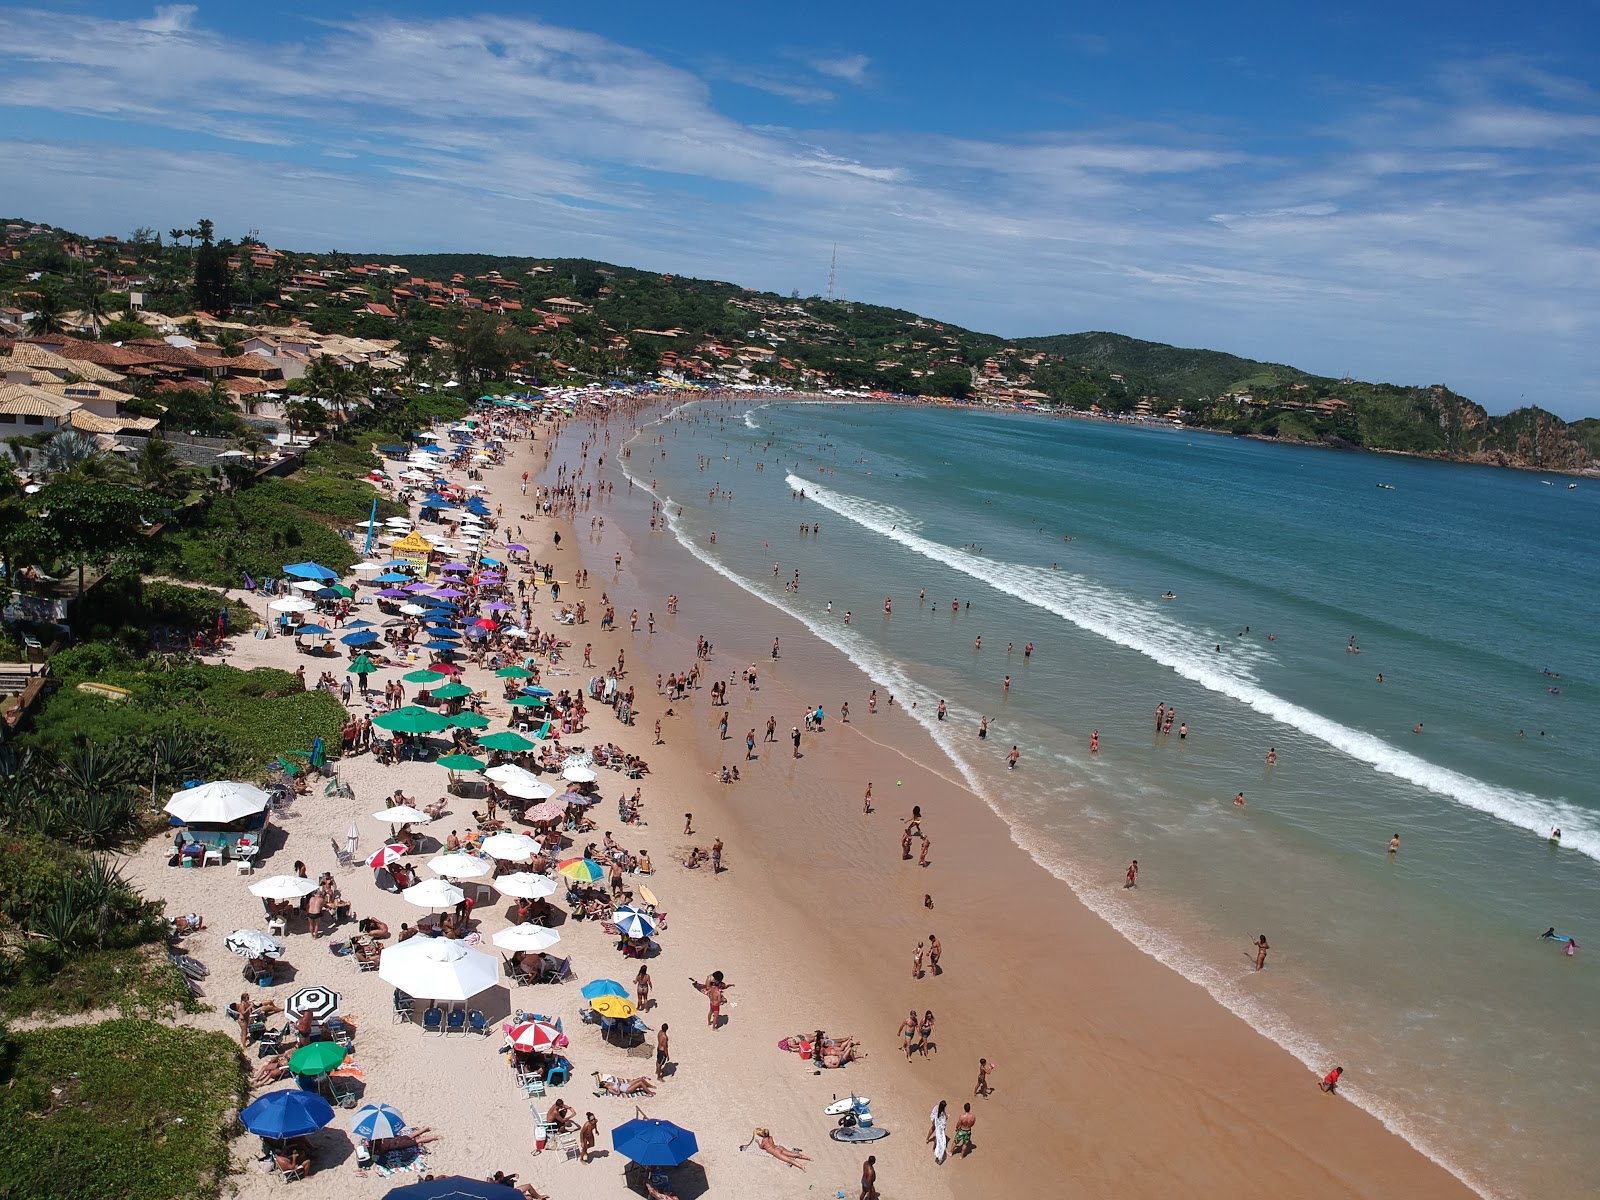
(1421, 972)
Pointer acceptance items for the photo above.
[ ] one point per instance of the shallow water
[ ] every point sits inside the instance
(1420, 972)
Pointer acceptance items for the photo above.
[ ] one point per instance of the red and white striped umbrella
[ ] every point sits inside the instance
(387, 855)
(534, 1035)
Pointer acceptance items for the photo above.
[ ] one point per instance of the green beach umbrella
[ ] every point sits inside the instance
(468, 720)
(514, 673)
(317, 1059)
(528, 701)
(411, 719)
(362, 665)
(461, 762)
(424, 677)
(505, 740)
(342, 590)
(452, 691)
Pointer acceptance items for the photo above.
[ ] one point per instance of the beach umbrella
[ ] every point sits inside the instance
(443, 633)
(410, 719)
(387, 855)
(438, 968)
(444, 668)
(461, 762)
(604, 987)
(516, 547)
(505, 740)
(460, 866)
(307, 585)
(449, 592)
(361, 637)
(582, 870)
(632, 923)
(654, 1143)
(547, 810)
(393, 577)
(535, 1035)
(412, 610)
(520, 782)
(578, 774)
(303, 630)
(287, 1114)
(320, 1002)
(455, 567)
(392, 593)
(402, 814)
(618, 1008)
(535, 690)
(423, 677)
(440, 647)
(291, 604)
(577, 798)
(310, 570)
(468, 720)
(376, 1122)
(513, 847)
(283, 887)
(453, 691)
(525, 885)
(453, 1187)
(361, 665)
(525, 937)
(318, 1058)
(252, 943)
(433, 893)
(217, 802)
(358, 624)
(528, 702)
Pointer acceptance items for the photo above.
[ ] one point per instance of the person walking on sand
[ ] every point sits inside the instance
(662, 1052)
(715, 990)
(688, 823)
(934, 950)
(772, 730)
(916, 962)
(905, 845)
(908, 1033)
(937, 1124)
(964, 1124)
(1133, 874)
(1261, 949)
(586, 1135)
(869, 1178)
(716, 857)
(927, 844)
(795, 737)
(984, 1069)
(641, 988)
(749, 745)
(866, 801)
(774, 648)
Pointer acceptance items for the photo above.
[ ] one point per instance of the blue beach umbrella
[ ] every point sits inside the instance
(377, 1121)
(632, 923)
(286, 1114)
(363, 637)
(310, 570)
(304, 629)
(537, 691)
(443, 647)
(446, 635)
(653, 1143)
(393, 577)
(358, 625)
(604, 987)
(453, 1187)
(392, 449)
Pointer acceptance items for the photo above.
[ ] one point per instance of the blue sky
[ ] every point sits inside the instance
(1399, 191)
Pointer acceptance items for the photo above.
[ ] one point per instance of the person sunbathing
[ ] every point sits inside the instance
(188, 923)
(289, 1159)
(763, 1139)
(510, 1181)
(414, 1139)
(614, 1086)
(436, 809)
(274, 1069)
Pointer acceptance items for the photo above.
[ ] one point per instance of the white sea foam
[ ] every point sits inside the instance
(749, 420)
(1137, 627)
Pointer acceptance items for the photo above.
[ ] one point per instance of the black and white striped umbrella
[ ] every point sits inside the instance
(320, 1002)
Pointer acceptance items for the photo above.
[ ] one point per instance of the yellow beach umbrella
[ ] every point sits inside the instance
(613, 1006)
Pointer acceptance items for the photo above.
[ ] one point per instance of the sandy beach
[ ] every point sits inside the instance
(1113, 1076)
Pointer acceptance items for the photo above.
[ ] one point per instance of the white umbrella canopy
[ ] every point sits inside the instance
(283, 887)
(525, 885)
(433, 893)
(402, 814)
(252, 943)
(308, 585)
(438, 968)
(368, 568)
(578, 774)
(513, 847)
(519, 782)
(291, 604)
(460, 866)
(525, 937)
(217, 802)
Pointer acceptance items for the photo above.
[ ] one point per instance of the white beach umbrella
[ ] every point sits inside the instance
(291, 604)
(252, 943)
(519, 782)
(438, 969)
(308, 585)
(513, 847)
(460, 866)
(525, 885)
(412, 610)
(402, 814)
(578, 773)
(368, 568)
(217, 802)
(433, 893)
(525, 937)
(283, 887)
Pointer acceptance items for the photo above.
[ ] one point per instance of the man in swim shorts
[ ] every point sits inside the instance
(964, 1124)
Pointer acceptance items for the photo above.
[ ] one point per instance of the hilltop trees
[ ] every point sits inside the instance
(213, 286)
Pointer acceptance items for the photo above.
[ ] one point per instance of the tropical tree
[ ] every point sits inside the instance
(162, 472)
(68, 450)
(46, 316)
(84, 522)
(93, 302)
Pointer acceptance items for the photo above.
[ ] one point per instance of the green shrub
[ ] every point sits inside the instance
(126, 1108)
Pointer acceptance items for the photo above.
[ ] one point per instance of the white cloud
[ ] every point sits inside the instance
(852, 68)
(1444, 233)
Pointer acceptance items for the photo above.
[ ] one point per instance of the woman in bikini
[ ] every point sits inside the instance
(641, 987)
(925, 1030)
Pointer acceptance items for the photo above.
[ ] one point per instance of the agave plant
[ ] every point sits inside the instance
(92, 767)
(69, 449)
(64, 921)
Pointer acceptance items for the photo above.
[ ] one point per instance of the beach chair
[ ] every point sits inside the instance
(559, 1074)
(342, 1095)
(288, 1174)
(343, 856)
(455, 1021)
(531, 1083)
(559, 973)
(518, 976)
(403, 1007)
(567, 1143)
(433, 1020)
(478, 1023)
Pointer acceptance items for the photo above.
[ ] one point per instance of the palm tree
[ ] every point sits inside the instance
(46, 316)
(94, 303)
(161, 470)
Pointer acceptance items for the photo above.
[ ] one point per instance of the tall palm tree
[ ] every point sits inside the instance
(94, 303)
(161, 470)
(46, 316)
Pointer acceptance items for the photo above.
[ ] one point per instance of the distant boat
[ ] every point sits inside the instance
(1388, 487)
(1572, 487)
(1547, 483)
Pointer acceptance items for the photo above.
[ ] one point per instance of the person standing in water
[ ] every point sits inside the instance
(1394, 844)
(1133, 874)
(1261, 949)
